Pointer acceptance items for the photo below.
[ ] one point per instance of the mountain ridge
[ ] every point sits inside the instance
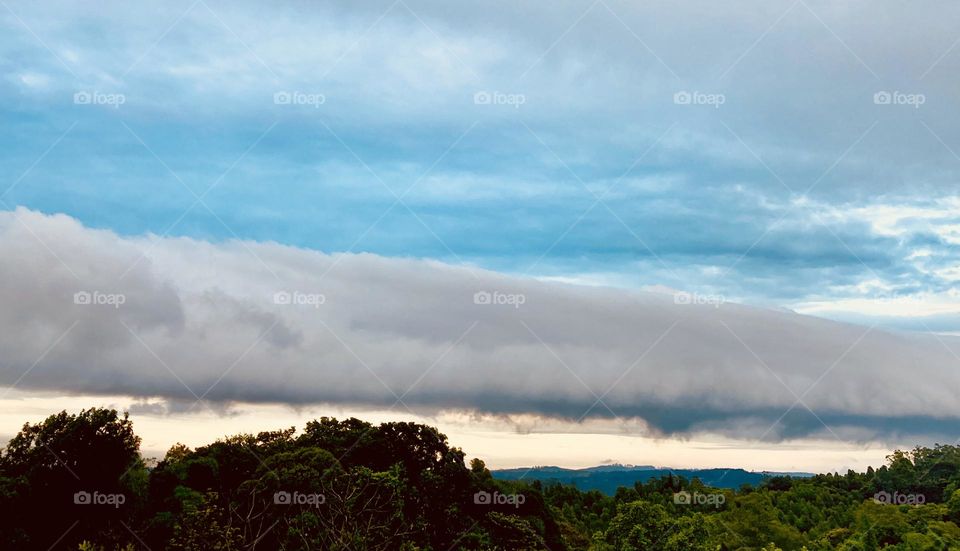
(607, 478)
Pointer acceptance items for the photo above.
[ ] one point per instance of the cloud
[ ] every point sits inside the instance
(262, 322)
(698, 186)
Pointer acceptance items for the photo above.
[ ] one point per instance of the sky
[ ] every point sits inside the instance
(672, 233)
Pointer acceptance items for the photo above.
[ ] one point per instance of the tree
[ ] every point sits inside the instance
(641, 525)
(80, 468)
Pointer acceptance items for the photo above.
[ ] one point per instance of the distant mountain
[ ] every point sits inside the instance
(619, 467)
(607, 478)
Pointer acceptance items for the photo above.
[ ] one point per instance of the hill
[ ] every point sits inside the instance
(607, 478)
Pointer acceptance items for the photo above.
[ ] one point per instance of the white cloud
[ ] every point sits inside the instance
(34, 80)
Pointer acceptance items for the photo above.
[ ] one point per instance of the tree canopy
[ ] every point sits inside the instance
(79, 482)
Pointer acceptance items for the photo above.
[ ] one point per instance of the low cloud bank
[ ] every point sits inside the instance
(88, 311)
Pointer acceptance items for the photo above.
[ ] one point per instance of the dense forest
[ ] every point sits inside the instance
(79, 482)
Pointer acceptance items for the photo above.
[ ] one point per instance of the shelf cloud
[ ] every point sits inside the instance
(90, 311)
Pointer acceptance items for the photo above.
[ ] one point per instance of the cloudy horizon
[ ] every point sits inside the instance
(192, 327)
(630, 229)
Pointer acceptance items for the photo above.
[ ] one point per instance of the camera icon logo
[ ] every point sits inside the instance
(482, 498)
(281, 98)
(882, 98)
(282, 498)
(282, 297)
(682, 298)
(482, 98)
(682, 98)
(82, 498)
(482, 297)
(883, 498)
(81, 297)
(82, 98)
(681, 498)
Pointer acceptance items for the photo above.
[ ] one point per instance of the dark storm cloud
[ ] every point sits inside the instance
(245, 321)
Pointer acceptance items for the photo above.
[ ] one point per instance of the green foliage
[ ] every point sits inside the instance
(641, 525)
(201, 528)
(46, 468)
(351, 485)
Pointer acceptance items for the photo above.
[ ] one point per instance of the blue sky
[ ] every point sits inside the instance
(698, 197)
(783, 155)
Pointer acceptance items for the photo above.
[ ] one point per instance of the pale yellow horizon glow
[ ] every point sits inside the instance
(499, 442)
